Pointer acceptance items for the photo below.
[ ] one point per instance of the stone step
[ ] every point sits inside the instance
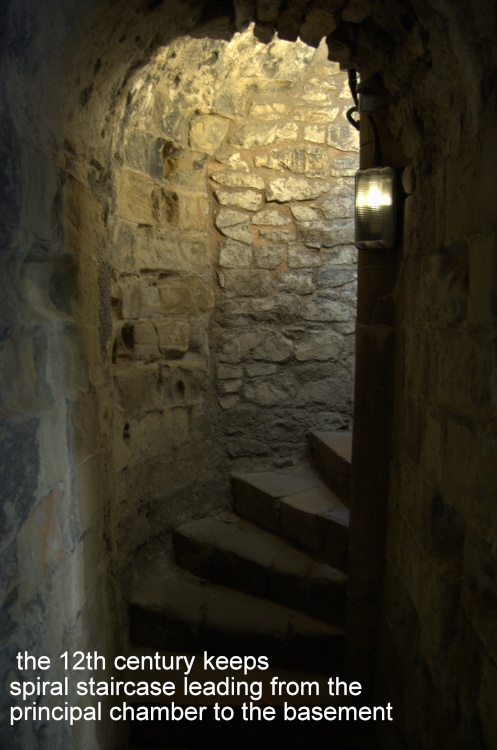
(331, 457)
(300, 509)
(176, 611)
(230, 551)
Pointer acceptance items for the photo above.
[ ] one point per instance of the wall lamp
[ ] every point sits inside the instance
(375, 187)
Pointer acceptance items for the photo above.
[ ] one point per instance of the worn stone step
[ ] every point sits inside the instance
(331, 457)
(176, 611)
(230, 551)
(300, 509)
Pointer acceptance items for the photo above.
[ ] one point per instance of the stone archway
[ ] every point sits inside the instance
(64, 85)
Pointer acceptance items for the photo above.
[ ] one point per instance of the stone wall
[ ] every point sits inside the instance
(233, 279)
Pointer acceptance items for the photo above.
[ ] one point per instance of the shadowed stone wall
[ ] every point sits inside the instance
(66, 71)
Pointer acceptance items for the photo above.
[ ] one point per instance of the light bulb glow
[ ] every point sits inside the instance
(374, 208)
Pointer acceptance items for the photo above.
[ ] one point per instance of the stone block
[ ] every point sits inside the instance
(326, 233)
(301, 257)
(254, 135)
(343, 137)
(278, 235)
(319, 345)
(338, 205)
(268, 110)
(308, 160)
(316, 114)
(234, 224)
(276, 308)
(233, 254)
(54, 458)
(291, 188)
(139, 300)
(229, 386)
(256, 371)
(185, 296)
(227, 371)
(304, 213)
(137, 390)
(270, 218)
(208, 132)
(239, 180)
(327, 311)
(144, 152)
(250, 200)
(145, 345)
(246, 282)
(138, 198)
(85, 424)
(269, 256)
(173, 337)
(345, 166)
(336, 276)
(231, 157)
(315, 133)
(266, 345)
(40, 544)
(296, 281)
(269, 392)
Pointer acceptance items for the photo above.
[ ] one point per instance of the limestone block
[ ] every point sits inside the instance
(226, 372)
(138, 198)
(85, 427)
(253, 135)
(316, 114)
(336, 276)
(276, 308)
(234, 224)
(278, 235)
(40, 544)
(203, 295)
(345, 166)
(136, 389)
(260, 344)
(246, 283)
(145, 345)
(338, 206)
(331, 393)
(319, 345)
(233, 254)
(54, 458)
(269, 392)
(296, 281)
(318, 22)
(188, 383)
(139, 300)
(304, 213)
(284, 189)
(173, 337)
(230, 157)
(315, 133)
(270, 218)
(255, 371)
(228, 402)
(269, 256)
(308, 160)
(343, 137)
(326, 310)
(230, 386)
(247, 199)
(185, 296)
(239, 179)
(207, 132)
(192, 213)
(342, 254)
(268, 110)
(144, 152)
(326, 233)
(301, 257)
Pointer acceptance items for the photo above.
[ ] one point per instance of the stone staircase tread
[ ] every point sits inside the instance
(311, 516)
(178, 611)
(230, 551)
(339, 442)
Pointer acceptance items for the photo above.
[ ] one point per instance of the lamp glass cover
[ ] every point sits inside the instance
(375, 208)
